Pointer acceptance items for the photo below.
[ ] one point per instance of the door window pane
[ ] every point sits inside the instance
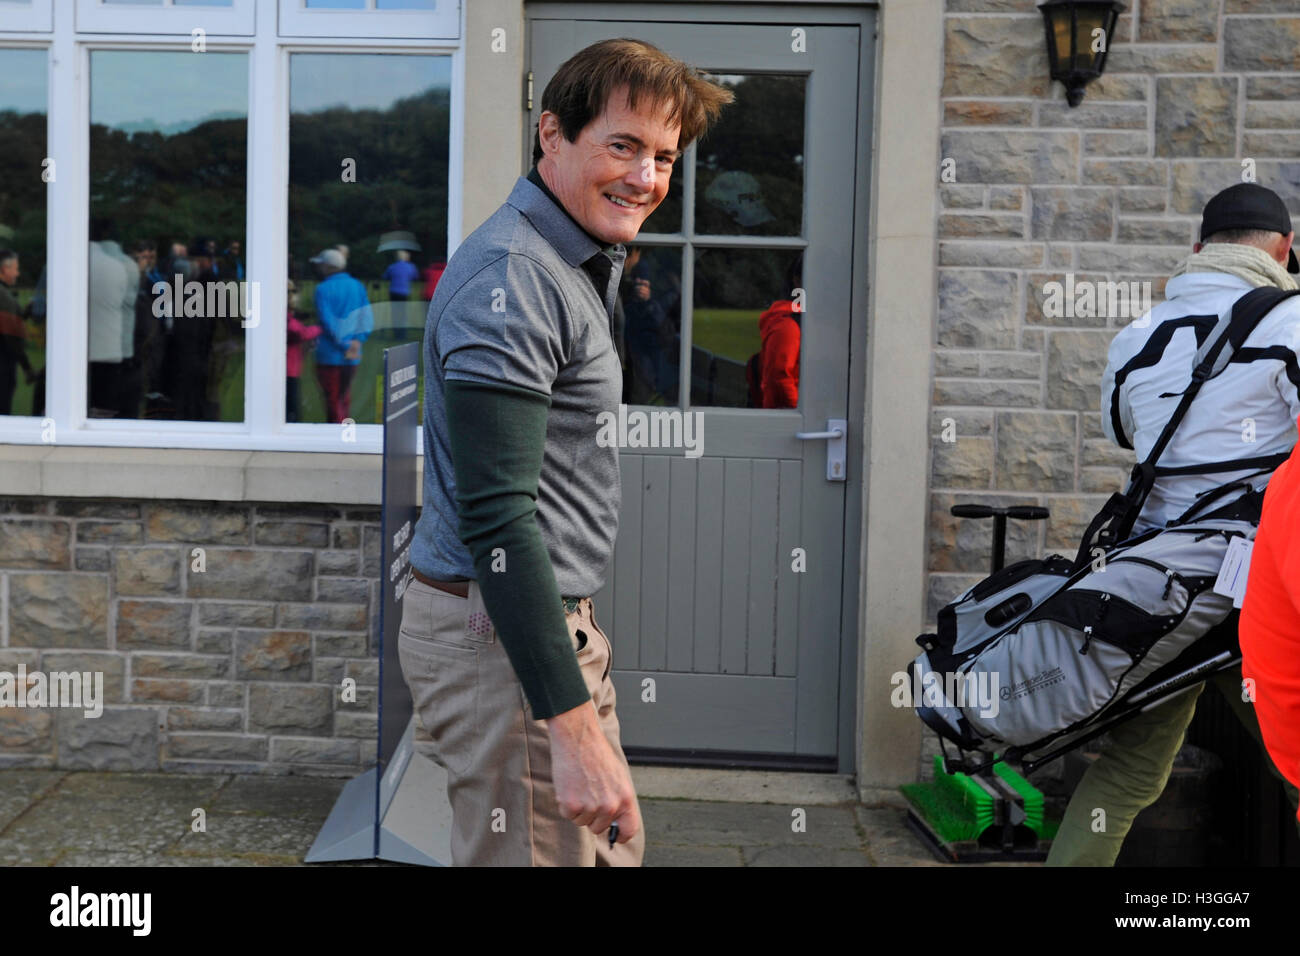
(746, 328)
(650, 297)
(23, 128)
(368, 148)
(168, 190)
(749, 169)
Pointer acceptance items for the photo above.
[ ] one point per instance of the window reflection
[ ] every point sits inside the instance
(749, 169)
(747, 326)
(649, 318)
(168, 294)
(368, 147)
(23, 122)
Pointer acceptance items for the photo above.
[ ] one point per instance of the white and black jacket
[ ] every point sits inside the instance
(1247, 411)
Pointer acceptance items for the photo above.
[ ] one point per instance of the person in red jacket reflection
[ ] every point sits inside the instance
(432, 273)
(1269, 628)
(773, 373)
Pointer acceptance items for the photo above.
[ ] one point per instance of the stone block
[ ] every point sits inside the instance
(1196, 116)
(35, 544)
(141, 572)
(253, 575)
(58, 610)
(1011, 156)
(1075, 362)
(1036, 451)
(273, 655)
(153, 625)
(1072, 214)
(120, 739)
(303, 709)
(198, 523)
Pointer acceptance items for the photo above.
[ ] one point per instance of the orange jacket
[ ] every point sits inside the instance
(1270, 621)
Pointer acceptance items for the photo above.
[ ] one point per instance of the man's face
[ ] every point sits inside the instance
(9, 271)
(235, 248)
(622, 153)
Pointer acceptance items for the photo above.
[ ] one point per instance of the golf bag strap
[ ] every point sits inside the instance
(1116, 518)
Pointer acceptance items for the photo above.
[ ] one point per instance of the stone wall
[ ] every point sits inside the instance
(1111, 190)
(224, 633)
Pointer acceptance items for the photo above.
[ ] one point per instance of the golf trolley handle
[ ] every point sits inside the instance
(1000, 516)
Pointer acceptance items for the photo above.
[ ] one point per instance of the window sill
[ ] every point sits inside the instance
(189, 474)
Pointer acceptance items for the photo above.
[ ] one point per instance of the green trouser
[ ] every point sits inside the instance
(1132, 771)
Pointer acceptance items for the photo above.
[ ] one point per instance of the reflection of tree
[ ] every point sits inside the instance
(761, 133)
(22, 191)
(401, 179)
(171, 187)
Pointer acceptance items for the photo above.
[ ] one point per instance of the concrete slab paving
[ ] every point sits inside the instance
(82, 818)
(804, 856)
(658, 855)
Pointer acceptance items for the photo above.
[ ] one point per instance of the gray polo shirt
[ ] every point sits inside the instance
(518, 305)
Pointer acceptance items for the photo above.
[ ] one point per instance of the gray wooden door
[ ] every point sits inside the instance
(727, 643)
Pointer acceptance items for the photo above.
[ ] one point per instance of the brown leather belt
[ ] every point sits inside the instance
(461, 589)
(458, 588)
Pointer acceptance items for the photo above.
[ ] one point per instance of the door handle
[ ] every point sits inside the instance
(834, 436)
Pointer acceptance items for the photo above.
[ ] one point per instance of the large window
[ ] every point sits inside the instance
(167, 292)
(218, 17)
(207, 151)
(424, 19)
(368, 141)
(18, 16)
(23, 168)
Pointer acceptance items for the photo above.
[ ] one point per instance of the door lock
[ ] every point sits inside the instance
(835, 436)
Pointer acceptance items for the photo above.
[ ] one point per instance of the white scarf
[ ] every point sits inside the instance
(1246, 262)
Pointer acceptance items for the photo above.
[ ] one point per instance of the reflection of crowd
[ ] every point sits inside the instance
(13, 333)
(153, 353)
(648, 332)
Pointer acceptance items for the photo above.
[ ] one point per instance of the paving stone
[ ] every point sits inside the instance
(229, 834)
(664, 856)
(803, 856)
(19, 788)
(698, 823)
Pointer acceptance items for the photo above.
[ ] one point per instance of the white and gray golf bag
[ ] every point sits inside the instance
(1045, 654)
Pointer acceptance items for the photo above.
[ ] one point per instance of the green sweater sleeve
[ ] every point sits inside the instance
(497, 435)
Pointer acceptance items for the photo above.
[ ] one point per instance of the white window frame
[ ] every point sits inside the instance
(100, 16)
(441, 23)
(33, 16)
(266, 250)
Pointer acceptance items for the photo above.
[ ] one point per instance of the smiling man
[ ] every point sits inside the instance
(499, 645)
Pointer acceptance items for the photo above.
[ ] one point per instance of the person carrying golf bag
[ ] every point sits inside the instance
(1245, 410)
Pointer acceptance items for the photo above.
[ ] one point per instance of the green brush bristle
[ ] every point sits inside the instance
(1031, 795)
(953, 804)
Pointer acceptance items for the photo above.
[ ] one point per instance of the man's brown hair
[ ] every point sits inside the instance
(581, 87)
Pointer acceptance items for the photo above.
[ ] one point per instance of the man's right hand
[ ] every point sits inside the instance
(592, 786)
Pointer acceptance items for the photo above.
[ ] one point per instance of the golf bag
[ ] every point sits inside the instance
(1047, 653)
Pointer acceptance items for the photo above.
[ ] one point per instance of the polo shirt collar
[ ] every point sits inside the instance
(557, 227)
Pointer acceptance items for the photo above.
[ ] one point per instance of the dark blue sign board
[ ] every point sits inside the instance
(356, 826)
(401, 428)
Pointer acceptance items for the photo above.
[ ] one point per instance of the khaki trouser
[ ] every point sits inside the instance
(497, 758)
(1131, 772)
